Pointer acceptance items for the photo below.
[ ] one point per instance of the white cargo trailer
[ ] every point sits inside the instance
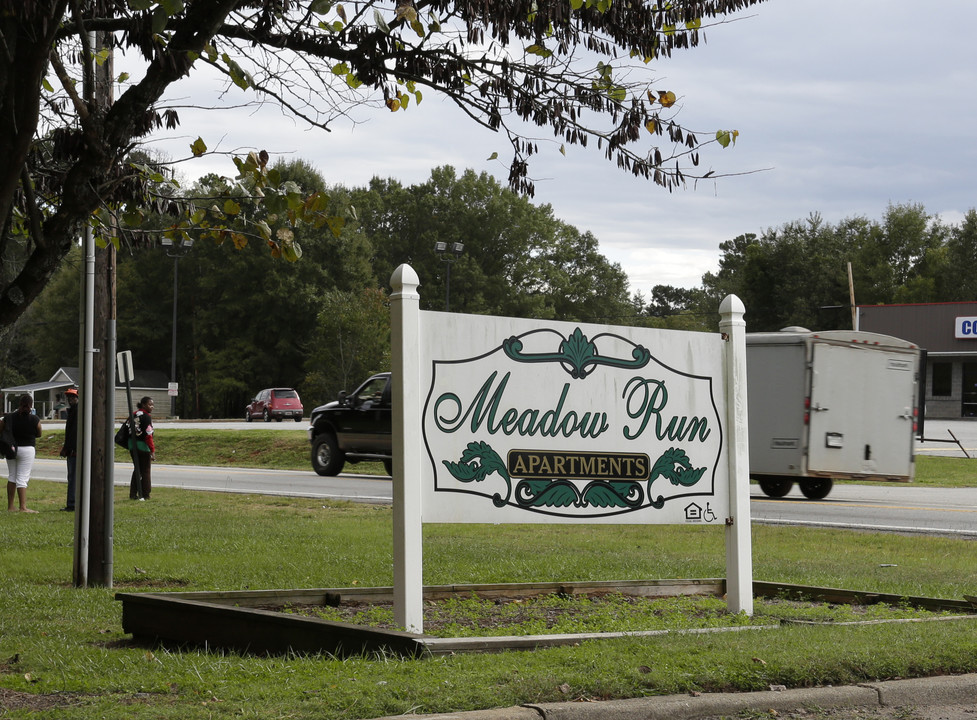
(826, 405)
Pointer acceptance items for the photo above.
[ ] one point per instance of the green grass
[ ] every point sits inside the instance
(57, 639)
(939, 471)
(289, 450)
(468, 615)
(274, 449)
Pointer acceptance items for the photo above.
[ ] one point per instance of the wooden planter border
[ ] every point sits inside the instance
(234, 620)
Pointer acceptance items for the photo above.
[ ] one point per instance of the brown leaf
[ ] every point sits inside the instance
(758, 660)
(565, 689)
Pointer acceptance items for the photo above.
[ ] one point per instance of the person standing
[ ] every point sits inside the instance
(69, 450)
(141, 440)
(26, 428)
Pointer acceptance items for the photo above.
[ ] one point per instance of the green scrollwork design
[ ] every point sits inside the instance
(674, 464)
(613, 494)
(563, 493)
(577, 355)
(478, 461)
(547, 493)
(580, 353)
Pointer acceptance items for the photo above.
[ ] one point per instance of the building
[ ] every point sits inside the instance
(49, 398)
(948, 334)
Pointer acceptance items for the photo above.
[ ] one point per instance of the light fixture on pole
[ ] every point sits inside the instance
(175, 250)
(448, 252)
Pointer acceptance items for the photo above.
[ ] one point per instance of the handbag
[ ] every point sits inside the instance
(7, 447)
(122, 436)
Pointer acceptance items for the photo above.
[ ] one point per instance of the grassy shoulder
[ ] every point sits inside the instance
(289, 450)
(65, 642)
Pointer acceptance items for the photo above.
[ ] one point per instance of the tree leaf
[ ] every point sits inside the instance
(198, 147)
(726, 137)
(336, 225)
(160, 18)
(173, 7)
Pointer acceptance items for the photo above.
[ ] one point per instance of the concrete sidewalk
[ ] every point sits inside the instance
(950, 697)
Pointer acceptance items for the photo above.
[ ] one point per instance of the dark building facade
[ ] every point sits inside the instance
(948, 334)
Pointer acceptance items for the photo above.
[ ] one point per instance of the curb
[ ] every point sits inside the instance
(916, 692)
(920, 692)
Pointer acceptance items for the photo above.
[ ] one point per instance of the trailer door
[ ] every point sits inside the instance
(861, 410)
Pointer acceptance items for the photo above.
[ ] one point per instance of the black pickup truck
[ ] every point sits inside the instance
(354, 428)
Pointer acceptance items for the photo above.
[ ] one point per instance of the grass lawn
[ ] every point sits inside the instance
(66, 645)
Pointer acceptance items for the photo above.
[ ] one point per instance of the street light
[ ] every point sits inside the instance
(176, 251)
(448, 252)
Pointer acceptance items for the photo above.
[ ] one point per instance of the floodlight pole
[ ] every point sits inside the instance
(175, 251)
(448, 252)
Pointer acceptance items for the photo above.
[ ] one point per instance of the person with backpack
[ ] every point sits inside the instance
(141, 439)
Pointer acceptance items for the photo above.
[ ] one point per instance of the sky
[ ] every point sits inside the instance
(843, 107)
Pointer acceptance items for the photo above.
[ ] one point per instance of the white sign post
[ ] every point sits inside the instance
(739, 555)
(405, 397)
(507, 420)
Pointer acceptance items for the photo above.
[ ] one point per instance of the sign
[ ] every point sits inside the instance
(173, 389)
(124, 366)
(965, 328)
(505, 420)
(528, 421)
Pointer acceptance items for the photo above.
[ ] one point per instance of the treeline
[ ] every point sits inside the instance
(797, 274)
(246, 321)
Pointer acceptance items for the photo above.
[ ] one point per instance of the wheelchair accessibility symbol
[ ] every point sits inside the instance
(695, 513)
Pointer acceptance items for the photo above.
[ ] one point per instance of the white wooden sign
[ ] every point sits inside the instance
(526, 421)
(504, 420)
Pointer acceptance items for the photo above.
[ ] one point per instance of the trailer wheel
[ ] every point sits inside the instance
(775, 487)
(816, 488)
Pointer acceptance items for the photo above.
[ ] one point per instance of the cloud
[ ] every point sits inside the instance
(843, 107)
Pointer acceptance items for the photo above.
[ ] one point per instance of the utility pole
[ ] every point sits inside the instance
(94, 526)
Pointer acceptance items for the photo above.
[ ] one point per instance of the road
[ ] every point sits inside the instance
(881, 507)
(876, 506)
(884, 506)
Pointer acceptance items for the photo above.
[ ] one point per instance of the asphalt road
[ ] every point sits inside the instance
(891, 507)
(881, 507)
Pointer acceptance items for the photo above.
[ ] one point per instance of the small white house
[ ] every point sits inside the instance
(49, 398)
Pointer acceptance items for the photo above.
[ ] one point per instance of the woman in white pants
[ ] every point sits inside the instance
(26, 428)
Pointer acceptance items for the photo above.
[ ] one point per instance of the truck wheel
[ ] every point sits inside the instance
(816, 488)
(775, 487)
(327, 458)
